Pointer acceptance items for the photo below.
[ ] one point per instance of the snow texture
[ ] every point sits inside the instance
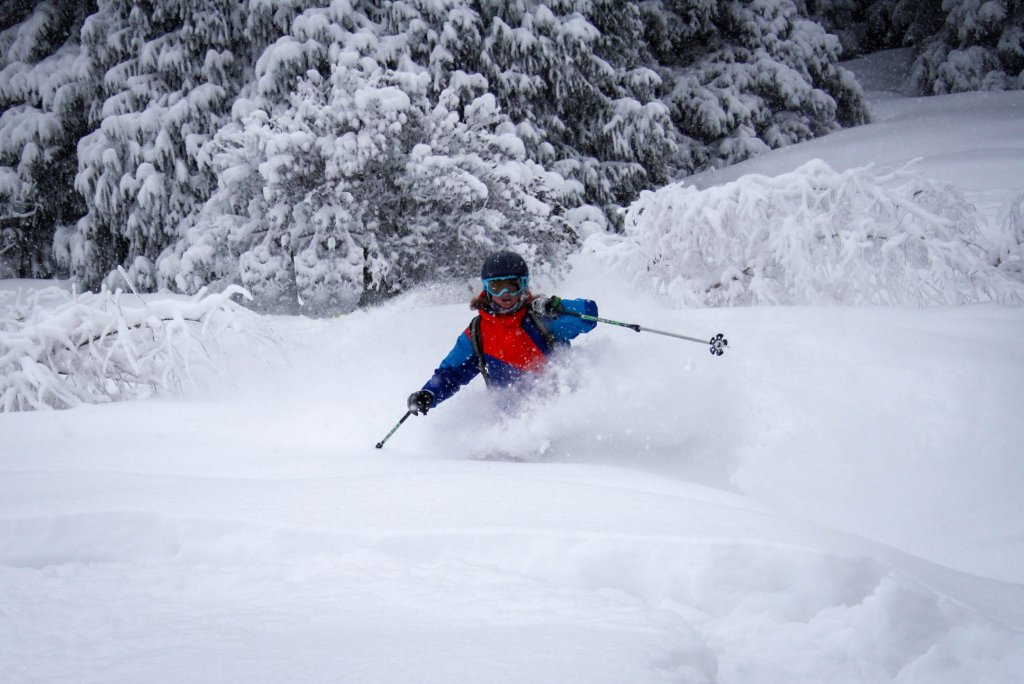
(835, 499)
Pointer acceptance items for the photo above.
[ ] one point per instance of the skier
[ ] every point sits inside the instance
(511, 338)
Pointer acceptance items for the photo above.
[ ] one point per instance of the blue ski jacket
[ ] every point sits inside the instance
(513, 346)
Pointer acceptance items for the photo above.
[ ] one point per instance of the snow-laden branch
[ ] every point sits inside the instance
(103, 347)
(1009, 249)
(814, 236)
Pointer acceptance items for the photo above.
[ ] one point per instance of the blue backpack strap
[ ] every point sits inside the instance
(478, 348)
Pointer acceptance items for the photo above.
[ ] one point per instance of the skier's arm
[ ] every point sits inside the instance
(566, 326)
(457, 369)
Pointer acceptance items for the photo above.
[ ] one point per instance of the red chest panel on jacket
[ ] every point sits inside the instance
(504, 339)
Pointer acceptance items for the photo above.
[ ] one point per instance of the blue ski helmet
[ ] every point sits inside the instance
(504, 263)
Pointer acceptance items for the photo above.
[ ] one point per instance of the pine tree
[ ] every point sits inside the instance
(327, 153)
(745, 77)
(43, 96)
(577, 76)
(980, 47)
(359, 186)
(961, 45)
(169, 76)
(866, 26)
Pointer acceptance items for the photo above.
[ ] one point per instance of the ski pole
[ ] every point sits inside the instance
(718, 343)
(380, 444)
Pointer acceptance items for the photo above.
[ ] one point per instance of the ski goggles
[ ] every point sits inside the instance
(502, 285)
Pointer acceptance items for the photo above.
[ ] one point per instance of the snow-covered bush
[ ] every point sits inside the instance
(93, 348)
(812, 236)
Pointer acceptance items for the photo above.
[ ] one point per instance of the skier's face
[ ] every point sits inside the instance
(506, 302)
(506, 292)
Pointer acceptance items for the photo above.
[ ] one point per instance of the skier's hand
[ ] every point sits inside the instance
(420, 402)
(548, 307)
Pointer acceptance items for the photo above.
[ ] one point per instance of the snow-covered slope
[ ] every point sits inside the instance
(259, 536)
(836, 499)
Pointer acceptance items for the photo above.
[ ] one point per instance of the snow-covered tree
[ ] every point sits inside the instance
(980, 47)
(328, 152)
(576, 77)
(168, 77)
(962, 45)
(44, 95)
(359, 185)
(747, 76)
(845, 19)
(866, 26)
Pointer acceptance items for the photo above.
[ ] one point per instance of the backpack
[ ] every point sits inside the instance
(476, 338)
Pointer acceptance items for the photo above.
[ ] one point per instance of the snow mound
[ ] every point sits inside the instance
(815, 236)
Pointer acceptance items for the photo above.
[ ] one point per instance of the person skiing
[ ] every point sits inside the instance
(511, 339)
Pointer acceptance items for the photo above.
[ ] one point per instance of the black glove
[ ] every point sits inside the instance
(549, 307)
(420, 402)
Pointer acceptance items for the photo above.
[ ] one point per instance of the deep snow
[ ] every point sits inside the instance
(837, 499)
